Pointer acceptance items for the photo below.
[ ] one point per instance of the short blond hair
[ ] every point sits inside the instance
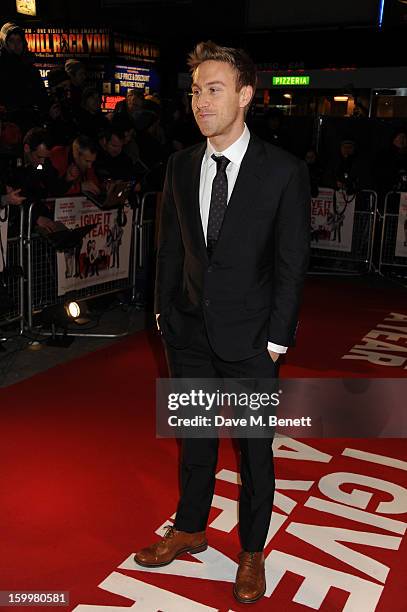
(244, 66)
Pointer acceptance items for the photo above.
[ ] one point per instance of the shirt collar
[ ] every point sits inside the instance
(234, 152)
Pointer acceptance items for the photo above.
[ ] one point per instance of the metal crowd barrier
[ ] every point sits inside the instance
(12, 277)
(146, 240)
(391, 264)
(359, 259)
(42, 281)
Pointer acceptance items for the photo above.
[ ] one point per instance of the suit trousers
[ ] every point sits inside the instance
(199, 455)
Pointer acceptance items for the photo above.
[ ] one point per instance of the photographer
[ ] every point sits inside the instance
(30, 180)
(391, 165)
(349, 171)
(61, 124)
(74, 168)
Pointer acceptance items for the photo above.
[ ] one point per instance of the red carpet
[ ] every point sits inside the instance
(85, 483)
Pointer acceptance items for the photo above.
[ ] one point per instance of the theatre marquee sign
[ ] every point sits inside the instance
(86, 42)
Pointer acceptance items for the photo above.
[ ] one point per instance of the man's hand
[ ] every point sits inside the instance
(13, 197)
(274, 355)
(47, 224)
(91, 187)
(72, 174)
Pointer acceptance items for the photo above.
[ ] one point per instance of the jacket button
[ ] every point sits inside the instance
(207, 302)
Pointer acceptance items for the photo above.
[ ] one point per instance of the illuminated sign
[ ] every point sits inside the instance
(278, 81)
(26, 7)
(109, 102)
(81, 42)
(135, 77)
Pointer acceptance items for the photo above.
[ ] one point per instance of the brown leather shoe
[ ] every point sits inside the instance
(250, 582)
(173, 544)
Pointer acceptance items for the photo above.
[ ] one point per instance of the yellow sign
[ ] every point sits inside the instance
(26, 7)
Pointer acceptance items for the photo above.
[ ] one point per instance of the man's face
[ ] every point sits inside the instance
(347, 149)
(114, 146)
(84, 159)
(79, 77)
(15, 44)
(39, 155)
(400, 141)
(217, 106)
(134, 102)
(93, 104)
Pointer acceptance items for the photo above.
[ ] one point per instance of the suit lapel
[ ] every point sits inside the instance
(192, 177)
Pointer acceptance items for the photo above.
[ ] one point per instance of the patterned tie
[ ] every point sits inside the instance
(219, 200)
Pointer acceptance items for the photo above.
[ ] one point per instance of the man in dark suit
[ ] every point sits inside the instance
(232, 258)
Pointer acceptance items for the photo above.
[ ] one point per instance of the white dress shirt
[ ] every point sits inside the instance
(235, 154)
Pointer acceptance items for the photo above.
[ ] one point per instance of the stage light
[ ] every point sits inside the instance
(73, 310)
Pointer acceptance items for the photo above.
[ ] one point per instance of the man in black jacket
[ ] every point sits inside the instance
(232, 258)
(22, 90)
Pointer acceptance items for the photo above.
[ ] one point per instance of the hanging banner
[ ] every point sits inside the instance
(131, 49)
(3, 238)
(68, 42)
(103, 255)
(401, 240)
(332, 218)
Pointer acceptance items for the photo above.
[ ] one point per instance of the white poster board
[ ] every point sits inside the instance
(104, 253)
(332, 219)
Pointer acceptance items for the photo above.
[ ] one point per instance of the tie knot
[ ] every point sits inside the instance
(221, 162)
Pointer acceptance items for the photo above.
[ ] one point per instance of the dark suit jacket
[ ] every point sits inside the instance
(250, 291)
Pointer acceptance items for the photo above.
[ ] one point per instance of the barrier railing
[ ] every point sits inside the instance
(43, 289)
(146, 240)
(12, 276)
(354, 254)
(393, 245)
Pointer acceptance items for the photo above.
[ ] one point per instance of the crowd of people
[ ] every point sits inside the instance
(56, 141)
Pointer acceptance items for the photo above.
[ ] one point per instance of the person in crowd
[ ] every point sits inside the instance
(60, 123)
(78, 75)
(91, 120)
(132, 107)
(181, 130)
(272, 129)
(74, 166)
(22, 91)
(391, 164)
(348, 170)
(123, 124)
(34, 176)
(112, 162)
(315, 170)
(227, 304)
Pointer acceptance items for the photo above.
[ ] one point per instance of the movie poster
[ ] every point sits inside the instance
(332, 218)
(3, 238)
(103, 255)
(401, 240)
